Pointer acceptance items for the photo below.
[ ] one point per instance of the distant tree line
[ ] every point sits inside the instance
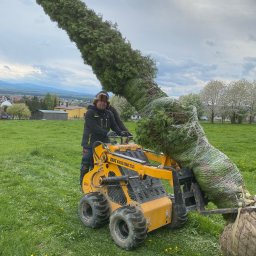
(235, 101)
(29, 105)
(48, 102)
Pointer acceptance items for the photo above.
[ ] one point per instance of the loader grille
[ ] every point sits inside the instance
(142, 190)
(115, 192)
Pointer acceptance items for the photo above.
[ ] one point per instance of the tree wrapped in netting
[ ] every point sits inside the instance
(171, 128)
(167, 126)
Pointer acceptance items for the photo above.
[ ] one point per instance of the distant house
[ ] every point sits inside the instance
(74, 112)
(135, 117)
(203, 118)
(5, 104)
(49, 115)
(4, 115)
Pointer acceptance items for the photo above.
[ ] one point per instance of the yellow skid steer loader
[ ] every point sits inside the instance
(125, 189)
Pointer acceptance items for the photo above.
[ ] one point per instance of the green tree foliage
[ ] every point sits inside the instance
(19, 110)
(124, 108)
(128, 111)
(49, 101)
(193, 99)
(164, 128)
(119, 68)
(33, 103)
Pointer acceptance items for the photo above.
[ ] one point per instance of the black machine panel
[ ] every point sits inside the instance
(116, 193)
(142, 190)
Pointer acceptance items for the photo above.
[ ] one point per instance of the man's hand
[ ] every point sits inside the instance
(85, 150)
(126, 134)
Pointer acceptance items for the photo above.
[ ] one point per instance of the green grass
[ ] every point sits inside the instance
(39, 194)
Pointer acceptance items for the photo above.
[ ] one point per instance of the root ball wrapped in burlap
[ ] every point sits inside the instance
(239, 238)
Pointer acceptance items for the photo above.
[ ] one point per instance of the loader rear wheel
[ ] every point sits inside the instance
(128, 227)
(93, 210)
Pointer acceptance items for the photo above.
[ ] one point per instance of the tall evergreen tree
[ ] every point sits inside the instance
(33, 103)
(119, 68)
(50, 101)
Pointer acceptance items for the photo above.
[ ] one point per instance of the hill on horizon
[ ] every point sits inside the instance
(35, 89)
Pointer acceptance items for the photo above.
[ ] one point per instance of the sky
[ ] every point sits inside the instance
(192, 42)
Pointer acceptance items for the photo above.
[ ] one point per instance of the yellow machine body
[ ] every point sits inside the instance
(107, 162)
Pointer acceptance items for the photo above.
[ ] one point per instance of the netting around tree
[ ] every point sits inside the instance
(173, 129)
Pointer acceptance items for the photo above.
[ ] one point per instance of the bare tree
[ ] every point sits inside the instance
(193, 99)
(237, 97)
(251, 101)
(223, 108)
(211, 97)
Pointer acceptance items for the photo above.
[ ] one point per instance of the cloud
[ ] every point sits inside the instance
(209, 42)
(17, 71)
(70, 76)
(7, 67)
(183, 76)
(252, 37)
(249, 67)
(191, 43)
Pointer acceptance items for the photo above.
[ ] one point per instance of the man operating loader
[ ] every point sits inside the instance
(98, 122)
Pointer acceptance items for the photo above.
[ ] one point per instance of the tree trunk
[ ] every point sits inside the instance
(250, 119)
(212, 117)
(240, 119)
(233, 118)
(118, 67)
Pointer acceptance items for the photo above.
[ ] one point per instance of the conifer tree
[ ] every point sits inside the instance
(119, 68)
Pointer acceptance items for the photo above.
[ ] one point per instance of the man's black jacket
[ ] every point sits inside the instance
(119, 122)
(97, 125)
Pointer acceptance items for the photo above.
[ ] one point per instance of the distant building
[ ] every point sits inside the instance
(203, 118)
(49, 115)
(4, 115)
(16, 98)
(74, 112)
(135, 117)
(6, 104)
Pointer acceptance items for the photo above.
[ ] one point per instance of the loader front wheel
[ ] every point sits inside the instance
(93, 210)
(128, 227)
(179, 215)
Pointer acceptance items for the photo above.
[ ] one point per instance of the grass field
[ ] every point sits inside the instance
(39, 194)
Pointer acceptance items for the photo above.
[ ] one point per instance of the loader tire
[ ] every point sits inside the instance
(239, 239)
(179, 215)
(93, 210)
(128, 227)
